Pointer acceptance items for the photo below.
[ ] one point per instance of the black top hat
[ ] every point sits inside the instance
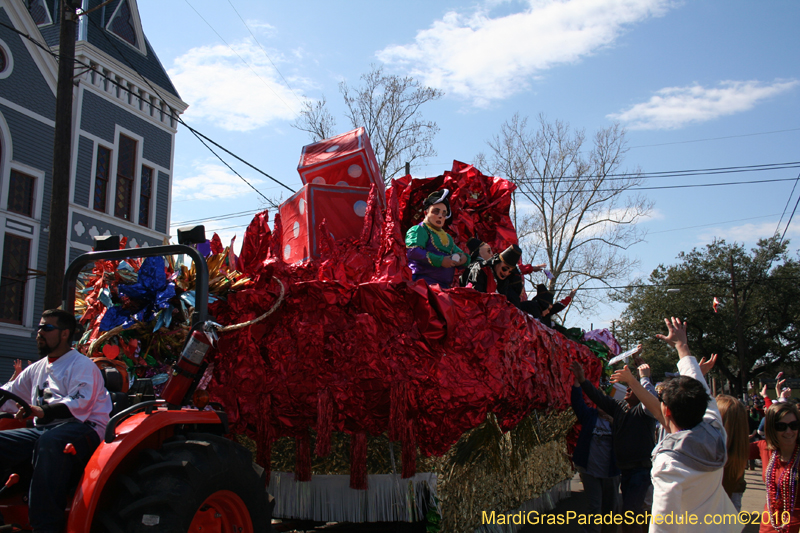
(439, 197)
(511, 255)
(473, 245)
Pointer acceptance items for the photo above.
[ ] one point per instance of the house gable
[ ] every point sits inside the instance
(29, 80)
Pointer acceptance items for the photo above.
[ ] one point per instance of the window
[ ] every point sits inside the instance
(21, 193)
(145, 193)
(126, 165)
(3, 61)
(13, 278)
(39, 12)
(101, 178)
(122, 24)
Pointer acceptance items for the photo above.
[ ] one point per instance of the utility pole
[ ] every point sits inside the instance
(739, 333)
(62, 149)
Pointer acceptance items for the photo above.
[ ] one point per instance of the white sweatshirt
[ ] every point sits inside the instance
(72, 380)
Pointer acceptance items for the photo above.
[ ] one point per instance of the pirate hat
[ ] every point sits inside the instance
(439, 197)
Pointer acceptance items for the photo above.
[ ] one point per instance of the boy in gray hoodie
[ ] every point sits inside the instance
(687, 463)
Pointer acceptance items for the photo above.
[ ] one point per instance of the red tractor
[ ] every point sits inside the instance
(162, 467)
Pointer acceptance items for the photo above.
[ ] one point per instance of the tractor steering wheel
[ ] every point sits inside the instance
(6, 395)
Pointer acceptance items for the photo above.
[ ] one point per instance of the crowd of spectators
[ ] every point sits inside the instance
(675, 450)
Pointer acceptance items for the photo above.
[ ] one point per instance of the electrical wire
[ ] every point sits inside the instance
(790, 221)
(788, 200)
(201, 137)
(243, 61)
(715, 138)
(174, 113)
(220, 217)
(706, 225)
(265, 52)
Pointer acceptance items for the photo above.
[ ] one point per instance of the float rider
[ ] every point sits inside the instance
(432, 254)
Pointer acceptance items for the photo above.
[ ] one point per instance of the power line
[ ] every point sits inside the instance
(265, 52)
(706, 225)
(672, 173)
(789, 199)
(224, 215)
(686, 283)
(790, 220)
(155, 91)
(715, 138)
(196, 133)
(243, 61)
(220, 217)
(698, 185)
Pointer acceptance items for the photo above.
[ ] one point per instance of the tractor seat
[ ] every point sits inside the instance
(114, 383)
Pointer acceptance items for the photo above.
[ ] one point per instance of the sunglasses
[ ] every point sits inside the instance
(47, 328)
(783, 426)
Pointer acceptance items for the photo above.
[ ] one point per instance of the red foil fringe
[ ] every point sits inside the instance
(302, 457)
(324, 424)
(409, 451)
(397, 411)
(358, 461)
(264, 440)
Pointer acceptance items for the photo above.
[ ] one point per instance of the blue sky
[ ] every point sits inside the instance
(696, 84)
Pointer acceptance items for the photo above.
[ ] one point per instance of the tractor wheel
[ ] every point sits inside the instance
(199, 482)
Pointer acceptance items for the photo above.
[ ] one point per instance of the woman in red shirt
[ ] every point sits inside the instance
(780, 459)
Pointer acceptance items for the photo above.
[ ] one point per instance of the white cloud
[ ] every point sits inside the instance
(222, 89)
(210, 181)
(675, 107)
(262, 27)
(749, 233)
(481, 58)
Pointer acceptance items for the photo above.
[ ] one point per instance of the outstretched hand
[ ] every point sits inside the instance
(706, 366)
(676, 336)
(624, 376)
(779, 386)
(577, 371)
(538, 268)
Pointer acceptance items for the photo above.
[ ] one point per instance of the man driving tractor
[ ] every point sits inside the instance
(67, 396)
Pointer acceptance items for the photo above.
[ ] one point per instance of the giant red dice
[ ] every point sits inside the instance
(342, 207)
(346, 160)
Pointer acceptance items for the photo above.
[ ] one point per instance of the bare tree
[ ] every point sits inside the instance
(316, 120)
(573, 203)
(388, 107)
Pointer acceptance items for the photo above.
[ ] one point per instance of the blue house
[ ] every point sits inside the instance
(124, 123)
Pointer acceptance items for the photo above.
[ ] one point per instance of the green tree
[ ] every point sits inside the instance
(768, 293)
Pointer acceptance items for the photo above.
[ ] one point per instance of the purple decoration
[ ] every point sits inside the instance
(604, 336)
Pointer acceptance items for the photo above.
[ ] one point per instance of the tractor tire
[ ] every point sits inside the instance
(197, 482)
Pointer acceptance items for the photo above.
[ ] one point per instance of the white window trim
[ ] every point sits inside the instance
(38, 184)
(30, 288)
(49, 15)
(9, 60)
(137, 173)
(153, 176)
(137, 27)
(93, 178)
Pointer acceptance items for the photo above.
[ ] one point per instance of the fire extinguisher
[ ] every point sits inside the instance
(188, 366)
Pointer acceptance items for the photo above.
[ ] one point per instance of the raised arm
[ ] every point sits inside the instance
(607, 404)
(651, 403)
